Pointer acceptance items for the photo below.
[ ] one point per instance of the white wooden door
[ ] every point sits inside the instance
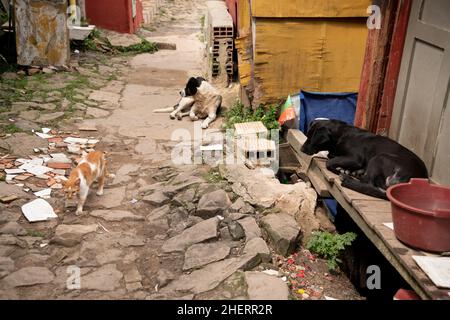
(421, 117)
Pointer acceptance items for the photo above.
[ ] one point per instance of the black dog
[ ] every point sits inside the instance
(382, 161)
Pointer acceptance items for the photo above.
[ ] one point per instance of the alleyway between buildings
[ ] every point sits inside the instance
(160, 231)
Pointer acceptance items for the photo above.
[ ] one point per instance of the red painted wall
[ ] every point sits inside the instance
(114, 15)
(232, 5)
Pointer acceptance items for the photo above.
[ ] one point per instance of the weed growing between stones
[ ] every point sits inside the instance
(330, 246)
(239, 113)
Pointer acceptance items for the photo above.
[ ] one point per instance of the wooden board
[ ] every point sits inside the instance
(351, 195)
(369, 214)
(319, 185)
(372, 206)
(310, 8)
(322, 165)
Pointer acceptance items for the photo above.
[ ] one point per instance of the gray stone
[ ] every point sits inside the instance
(96, 112)
(46, 106)
(11, 189)
(163, 277)
(225, 234)
(6, 266)
(133, 286)
(90, 103)
(70, 235)
(262, 286)
(132, 275)
(200, 232)
(186, 198)
(242, 207)
(158, 214)
(179, 215)
(48, 117)
(5, 251)
(157, 198)
(258, 246)
(251, 228)
(26, 125)
(115, 215)
(122, 175)
(24, 105)
(22, 144)
(210, 276)
(202, 254)
(29, 115)
(113, 86)
(28, 276)
(235, 215)
(10, 240)
(131, 241)
(148, 188)
(13, 228)
(262, 189)
(110, 199)
(213, 203)
(105, 96)
(33, 260)
(236, 230)
(9, 215)
(283, 231)
(175, 188)
(106, 278)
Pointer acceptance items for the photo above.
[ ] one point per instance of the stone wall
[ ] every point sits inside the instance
(42, 36)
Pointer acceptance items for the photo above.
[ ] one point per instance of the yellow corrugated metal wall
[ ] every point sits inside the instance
(315, 45)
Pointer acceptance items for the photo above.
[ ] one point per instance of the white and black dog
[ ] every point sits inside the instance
(199, 100)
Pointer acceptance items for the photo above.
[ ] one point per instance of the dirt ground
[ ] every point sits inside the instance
(120, 244)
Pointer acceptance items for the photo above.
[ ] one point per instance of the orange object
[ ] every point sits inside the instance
(51, 182)
(59, 165)
(55, 139)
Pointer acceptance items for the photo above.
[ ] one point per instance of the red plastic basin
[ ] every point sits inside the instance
(421, 214)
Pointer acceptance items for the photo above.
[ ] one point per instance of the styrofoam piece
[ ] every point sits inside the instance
(38, 210)
(436, 268)
(45, 193)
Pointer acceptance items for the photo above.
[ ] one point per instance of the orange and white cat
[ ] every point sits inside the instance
(91, 167)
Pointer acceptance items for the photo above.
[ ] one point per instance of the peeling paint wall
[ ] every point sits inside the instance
(42, 36)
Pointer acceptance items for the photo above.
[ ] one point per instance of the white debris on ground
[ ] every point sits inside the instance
(44, 171)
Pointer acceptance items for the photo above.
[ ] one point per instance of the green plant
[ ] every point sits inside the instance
(11, 128)
(90, 43)
(35, 233)
(151, 29)
(202, 21)
(213, 176)
(238, 114)
(3, 16)
(329, 246)
(142, 47)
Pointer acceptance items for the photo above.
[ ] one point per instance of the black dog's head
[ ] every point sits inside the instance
(319, 137)
(191, 86)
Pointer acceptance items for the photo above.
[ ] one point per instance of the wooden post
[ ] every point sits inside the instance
(374, 68)
(393, 68)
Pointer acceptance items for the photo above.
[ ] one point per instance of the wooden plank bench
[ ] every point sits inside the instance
(370, 214)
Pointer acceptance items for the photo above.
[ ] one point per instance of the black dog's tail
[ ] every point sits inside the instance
(364, 188)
